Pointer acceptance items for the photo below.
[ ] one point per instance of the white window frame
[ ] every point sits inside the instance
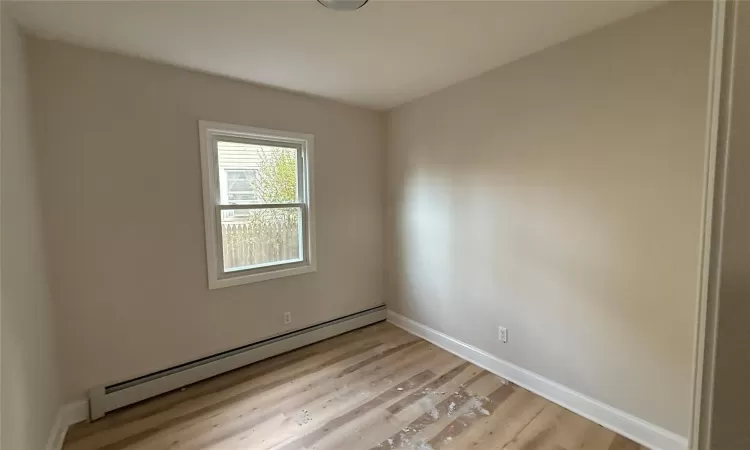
(212, 204)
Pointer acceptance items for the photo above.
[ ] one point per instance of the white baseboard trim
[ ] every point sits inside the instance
(632, 427)
(67, 415)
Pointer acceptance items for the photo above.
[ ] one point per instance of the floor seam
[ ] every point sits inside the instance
(524, 427)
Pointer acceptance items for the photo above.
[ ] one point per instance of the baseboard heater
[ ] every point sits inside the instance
(103, 399)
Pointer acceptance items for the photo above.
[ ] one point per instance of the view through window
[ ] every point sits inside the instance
(263, 176)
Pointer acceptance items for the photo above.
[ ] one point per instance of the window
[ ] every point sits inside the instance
(257, 203)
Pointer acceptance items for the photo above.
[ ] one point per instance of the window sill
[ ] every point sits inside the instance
(261, 276)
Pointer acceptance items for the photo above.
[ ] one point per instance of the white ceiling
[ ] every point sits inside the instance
(383, 55)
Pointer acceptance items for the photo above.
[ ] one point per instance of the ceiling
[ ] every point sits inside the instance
(381, 56)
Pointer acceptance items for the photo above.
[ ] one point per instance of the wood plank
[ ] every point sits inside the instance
(469, 415)
(372, 429)
(510, 417)
(377, 387)
(209, 400)
(556, 427)
(381, 332)
(418, 430)
(320, 403)
(247, 412)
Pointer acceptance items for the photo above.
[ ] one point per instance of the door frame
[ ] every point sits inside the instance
(718, 113)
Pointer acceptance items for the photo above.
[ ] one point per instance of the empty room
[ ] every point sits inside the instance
(383, 224)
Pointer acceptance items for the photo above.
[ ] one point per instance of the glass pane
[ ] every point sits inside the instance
(260, 237)
(254, 174)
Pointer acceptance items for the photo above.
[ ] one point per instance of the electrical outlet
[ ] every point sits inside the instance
(502, 334)
(287, 318)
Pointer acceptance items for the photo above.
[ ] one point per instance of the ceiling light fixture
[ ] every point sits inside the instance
(343, 5)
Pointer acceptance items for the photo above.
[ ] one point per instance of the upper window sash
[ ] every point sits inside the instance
(299, 147)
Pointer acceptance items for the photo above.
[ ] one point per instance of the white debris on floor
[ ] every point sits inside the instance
(423, 445)
(476, 405)
(303, 417)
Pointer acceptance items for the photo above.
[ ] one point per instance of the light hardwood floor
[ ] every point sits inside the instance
(375, 388)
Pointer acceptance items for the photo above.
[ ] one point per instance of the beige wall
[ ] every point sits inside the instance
(118, 142)
(731, 392)
(30, 386)
(560, 196)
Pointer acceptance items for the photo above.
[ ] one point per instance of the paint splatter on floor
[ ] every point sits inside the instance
(423, 445)
(471, 405)
(477, 405)
(303, 417)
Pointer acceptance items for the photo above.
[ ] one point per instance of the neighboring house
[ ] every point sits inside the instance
(239, 164)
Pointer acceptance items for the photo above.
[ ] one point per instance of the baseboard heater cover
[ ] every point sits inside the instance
(105, 398)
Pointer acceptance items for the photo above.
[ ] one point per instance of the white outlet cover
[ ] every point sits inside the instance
(502, 334)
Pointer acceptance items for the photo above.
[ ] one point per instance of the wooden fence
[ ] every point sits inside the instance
(252, 243)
